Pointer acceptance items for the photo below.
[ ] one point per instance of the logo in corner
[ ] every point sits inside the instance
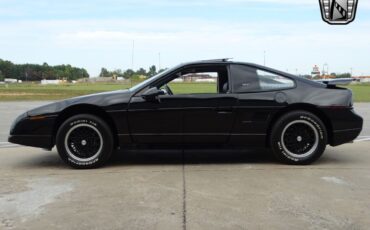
(338, 12)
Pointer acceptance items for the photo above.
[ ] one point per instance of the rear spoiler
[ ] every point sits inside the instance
(333, 82)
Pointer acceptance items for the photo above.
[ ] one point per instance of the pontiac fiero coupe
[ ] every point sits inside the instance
(212, 103)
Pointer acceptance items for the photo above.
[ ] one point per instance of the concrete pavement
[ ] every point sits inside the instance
(191, 190)
(194, 189)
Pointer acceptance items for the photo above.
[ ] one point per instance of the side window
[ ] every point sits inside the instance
(248, 79)
(198, 80)
(189, 83)
(272, 81)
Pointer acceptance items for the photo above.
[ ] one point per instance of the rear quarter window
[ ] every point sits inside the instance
(249, 79)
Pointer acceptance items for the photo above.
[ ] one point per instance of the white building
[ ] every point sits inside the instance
(51, 82)
(10, 80)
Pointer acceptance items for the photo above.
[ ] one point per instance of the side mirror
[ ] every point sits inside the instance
(152, 94)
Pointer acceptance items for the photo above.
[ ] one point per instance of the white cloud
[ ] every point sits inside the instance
(96, 43)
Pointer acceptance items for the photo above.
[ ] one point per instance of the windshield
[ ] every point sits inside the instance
(155, 77)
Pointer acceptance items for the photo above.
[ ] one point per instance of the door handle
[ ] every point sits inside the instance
(224, 110)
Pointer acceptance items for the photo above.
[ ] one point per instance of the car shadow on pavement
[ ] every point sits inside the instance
(196, 156)
(47, 160)
(51, 160)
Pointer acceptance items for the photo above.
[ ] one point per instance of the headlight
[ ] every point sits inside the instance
(20, 117)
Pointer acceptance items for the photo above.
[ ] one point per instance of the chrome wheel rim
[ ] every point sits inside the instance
(300, 139)
(83, 142)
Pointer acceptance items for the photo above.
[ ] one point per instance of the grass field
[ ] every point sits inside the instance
(361, 93)
(12, 92)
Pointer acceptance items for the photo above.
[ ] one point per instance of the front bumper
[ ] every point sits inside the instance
(40, 141)
(33, 132)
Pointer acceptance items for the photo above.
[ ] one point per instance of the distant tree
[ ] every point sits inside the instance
(141, 71)
(152, 71)
(344, 75)
(1, 76)
(128, 73)
(161, 70)
(117, 73)
(32, 72)
(7, 69)
(104, 73)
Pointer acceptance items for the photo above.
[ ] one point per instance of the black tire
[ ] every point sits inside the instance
(298, 137)
(84, 141)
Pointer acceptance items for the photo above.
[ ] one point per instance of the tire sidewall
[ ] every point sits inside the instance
(102, 128)
(277, 145)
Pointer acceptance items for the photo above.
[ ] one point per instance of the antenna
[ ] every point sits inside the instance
(132, 57)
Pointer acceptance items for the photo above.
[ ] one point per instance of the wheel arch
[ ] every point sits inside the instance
(305, 107)
(85, 109)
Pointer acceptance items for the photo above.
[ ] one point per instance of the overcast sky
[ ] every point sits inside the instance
(99, 33)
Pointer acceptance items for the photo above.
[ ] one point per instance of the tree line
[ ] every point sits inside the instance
(35, 72)
(129, 73)
(334, 75)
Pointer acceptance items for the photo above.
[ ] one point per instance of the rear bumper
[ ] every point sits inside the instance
(344, 136)
(346, 125)
(40, 141)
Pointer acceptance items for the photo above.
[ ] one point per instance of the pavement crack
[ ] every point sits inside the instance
(183, 192)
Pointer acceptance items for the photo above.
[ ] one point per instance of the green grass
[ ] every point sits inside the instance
(29, 91)
(182, 88)
(53, 92)
(361, 93)
(24, 91)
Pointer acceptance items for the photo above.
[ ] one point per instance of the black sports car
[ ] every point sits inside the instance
(242, 105)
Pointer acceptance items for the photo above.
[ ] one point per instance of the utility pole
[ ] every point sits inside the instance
(327, 69)
(159, 61)
(351, 72)
(133, 53)
(264, 58)
(132, 60)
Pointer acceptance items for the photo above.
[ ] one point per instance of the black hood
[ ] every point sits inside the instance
(105, 100)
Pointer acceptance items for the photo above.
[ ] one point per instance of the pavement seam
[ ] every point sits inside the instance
(5, 144)
(192, 170)
(183, 192)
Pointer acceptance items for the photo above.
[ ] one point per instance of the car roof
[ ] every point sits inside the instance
(228, 61)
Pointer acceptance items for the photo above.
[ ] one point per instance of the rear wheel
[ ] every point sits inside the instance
(298, 137)
(84, 141)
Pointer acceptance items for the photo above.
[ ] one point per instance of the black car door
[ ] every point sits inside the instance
(208, 118)
(155, 121)
(189, 113)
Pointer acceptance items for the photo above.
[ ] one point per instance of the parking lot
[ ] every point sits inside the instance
(192, 189)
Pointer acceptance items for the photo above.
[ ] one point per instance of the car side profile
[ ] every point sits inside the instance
(244, 104)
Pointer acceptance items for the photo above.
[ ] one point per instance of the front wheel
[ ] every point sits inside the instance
(298, 137)
(84, 141)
